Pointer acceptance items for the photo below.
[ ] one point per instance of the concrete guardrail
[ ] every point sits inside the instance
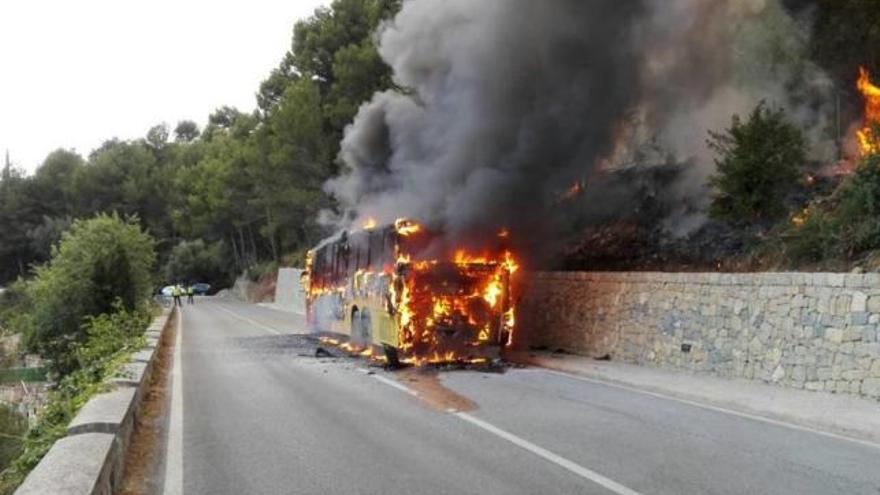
(91, 458)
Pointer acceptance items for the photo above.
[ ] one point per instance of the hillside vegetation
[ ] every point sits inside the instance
(246, 190)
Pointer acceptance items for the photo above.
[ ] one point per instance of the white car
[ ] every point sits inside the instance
(167, 291)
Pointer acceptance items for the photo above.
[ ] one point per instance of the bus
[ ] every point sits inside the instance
(388, 288)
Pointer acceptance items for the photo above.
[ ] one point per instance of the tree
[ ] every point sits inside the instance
(157, 136)
(846, 34)
(196, 261)
(186, 131)
(101, 265)
(757, 166)
(54, 182)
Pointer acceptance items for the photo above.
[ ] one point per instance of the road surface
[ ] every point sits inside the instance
(254, 412)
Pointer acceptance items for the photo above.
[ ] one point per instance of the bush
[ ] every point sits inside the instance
(758, 164)
(110, 340)
(858, 214)
(834, 230)
(102, 265)
(812, 240)
(13, 427)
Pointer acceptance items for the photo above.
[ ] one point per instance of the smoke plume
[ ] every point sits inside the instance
(507, 103)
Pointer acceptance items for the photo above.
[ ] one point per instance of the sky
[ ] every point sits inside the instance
(74, 74)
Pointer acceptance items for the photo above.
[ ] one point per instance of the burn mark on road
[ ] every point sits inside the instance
(426, 382)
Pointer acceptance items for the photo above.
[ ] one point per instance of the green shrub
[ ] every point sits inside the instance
(812, 239)
(835, 230)
(858, 214)
(100, 266)
(13, 427)
(110, 340)
(758, 162)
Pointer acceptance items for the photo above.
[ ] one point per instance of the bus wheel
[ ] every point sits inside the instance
(392, 360)
(366, 333)
(354, 336)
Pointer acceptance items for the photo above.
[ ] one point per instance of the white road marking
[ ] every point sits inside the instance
(732, 412)
(174, 452)
(539, 451)
(560, 461)
(398, 386)
(248, 320)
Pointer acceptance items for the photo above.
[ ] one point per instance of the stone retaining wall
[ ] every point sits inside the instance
(817, 331)
(289, 294)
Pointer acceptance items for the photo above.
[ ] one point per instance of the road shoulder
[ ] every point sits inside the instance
(848, 417)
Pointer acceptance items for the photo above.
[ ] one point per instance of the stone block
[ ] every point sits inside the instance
(814, 386)
(852, 334)
(144, 356)
(871, 387)
(873, 305)
(799, 374)
(834, 335)
(855, 387)
(109, 412)
(75, 465)
(855, 375)
(875, 369)
(859, 302)
(867, 349)
(835, 279)
(133, 374)
(858, 318)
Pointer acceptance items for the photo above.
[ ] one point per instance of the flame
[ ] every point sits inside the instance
(573, 190)
(799, 219)
(493, 291)
(406, 227)
(462, 257)
(868, 142)
(405, 309)
(369, 224)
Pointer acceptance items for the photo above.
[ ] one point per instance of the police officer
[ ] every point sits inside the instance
(189, 294)
(176, 292)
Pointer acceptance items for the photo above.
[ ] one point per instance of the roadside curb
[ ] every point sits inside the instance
(864, 434)
(90, 459)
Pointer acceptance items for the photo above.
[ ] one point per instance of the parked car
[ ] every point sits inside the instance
(167, 290)
(201, 288)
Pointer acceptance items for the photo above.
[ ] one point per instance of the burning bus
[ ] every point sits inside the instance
(385, 287)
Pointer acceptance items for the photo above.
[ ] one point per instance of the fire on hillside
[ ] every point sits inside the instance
(868, 140)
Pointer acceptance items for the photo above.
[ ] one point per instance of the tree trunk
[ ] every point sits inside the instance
(271, 234)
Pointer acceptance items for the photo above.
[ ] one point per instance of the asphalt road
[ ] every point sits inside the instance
(256, 413)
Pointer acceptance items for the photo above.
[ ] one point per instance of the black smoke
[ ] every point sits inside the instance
(507, 103)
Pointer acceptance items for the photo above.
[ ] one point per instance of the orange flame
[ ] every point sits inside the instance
(868, 142)
(369, 224)
(406, 227)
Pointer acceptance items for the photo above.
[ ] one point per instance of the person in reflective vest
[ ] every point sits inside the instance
(189, 294)
(176, 292)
